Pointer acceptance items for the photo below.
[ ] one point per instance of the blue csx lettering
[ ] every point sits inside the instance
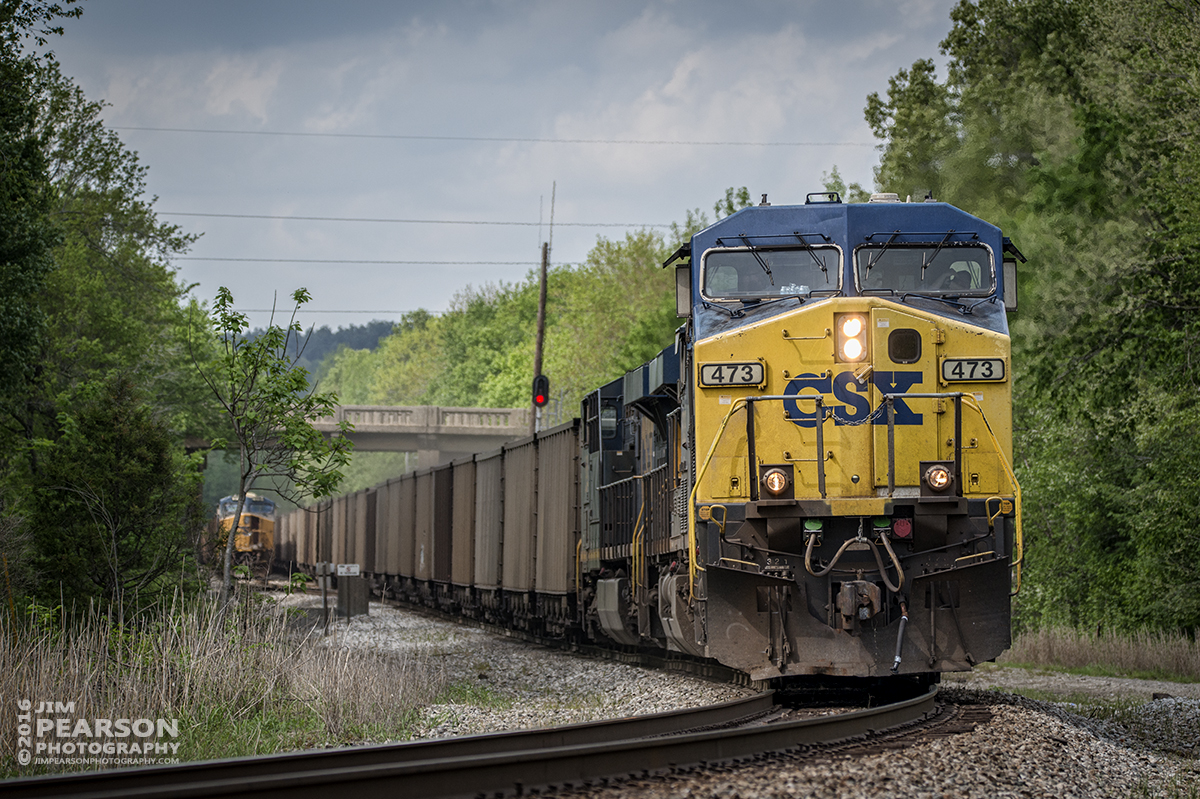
(845, 388)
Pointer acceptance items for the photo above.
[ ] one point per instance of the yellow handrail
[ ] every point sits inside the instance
(1012, 478)
(635, 552)
(693, 552)
(578, 565)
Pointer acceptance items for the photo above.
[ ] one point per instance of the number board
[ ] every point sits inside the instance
(732, 374)
(959, 370)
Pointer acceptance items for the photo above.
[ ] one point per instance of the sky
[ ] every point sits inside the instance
(459, 121)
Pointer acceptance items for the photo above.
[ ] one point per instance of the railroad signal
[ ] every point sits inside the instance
(541, 390)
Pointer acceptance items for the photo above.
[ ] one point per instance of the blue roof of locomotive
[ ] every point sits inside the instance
(848, 225)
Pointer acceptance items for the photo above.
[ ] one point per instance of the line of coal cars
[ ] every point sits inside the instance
(476, 536)
(815, 479)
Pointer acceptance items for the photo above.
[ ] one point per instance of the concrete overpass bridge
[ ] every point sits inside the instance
(438, 435)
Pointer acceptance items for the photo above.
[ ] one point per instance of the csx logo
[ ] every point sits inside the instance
(846, 389)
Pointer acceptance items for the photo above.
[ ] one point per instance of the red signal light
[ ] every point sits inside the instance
(541, 390)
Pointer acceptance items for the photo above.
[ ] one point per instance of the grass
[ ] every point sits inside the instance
(239, 683)
(1145, 655)
(1176, 788)
(468, 692)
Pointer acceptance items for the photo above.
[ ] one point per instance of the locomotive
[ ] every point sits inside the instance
(814, 479)
(254, 543)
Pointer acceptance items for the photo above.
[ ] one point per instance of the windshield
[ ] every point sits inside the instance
(256, 505)
(757, 274)
(950, 270)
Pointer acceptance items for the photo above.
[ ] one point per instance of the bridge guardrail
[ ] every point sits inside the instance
(432, 419)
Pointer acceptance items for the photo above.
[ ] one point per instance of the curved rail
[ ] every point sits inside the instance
(496, 763)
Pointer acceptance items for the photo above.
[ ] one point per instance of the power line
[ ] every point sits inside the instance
(344, 261)
(504, 139)
(406, 221)
(332, 310)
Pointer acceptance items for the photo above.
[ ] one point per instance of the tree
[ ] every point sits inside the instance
(270, 408)
(92, 306)
(1073, 124)
(105, 297)
(116, 511)
(854, 193)
(27, 233)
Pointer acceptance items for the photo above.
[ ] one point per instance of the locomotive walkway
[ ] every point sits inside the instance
(438, 435)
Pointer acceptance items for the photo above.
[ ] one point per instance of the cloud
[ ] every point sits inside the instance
(241, 82)
(757, 70)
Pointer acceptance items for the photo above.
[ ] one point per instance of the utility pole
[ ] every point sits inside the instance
(541, 320)
(541, 331)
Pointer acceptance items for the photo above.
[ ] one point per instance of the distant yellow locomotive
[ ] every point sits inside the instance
(254, 542)
(814, 481)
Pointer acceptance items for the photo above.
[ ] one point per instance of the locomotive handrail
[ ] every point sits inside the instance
(693, 551)
(959, 397)
(1012, 477)
(888, 400)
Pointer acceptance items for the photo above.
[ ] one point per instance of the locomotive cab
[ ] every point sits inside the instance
(849, 387)
(255, 538)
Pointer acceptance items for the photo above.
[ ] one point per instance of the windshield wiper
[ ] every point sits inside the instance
(734, 313)
(871, 262)
(757, 257)
(926, 262)
(963, 309)
(813, 250)
(779, 297)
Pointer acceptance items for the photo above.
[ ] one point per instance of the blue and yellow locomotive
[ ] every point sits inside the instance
(815, 479)
(853, 509)
(254, 543)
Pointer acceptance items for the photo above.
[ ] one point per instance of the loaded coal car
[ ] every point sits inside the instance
(814, 479)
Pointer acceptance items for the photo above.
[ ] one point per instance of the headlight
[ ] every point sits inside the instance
(775, 481)
(937, 477)
(851, 337)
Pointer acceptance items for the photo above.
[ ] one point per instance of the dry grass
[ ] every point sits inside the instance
(239, 683)
(1155, 655)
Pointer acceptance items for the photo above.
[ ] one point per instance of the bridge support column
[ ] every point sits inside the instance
(428, 454)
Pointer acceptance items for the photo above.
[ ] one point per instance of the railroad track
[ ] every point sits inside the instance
(502, 763)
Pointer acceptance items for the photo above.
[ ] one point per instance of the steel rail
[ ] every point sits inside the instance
(665, 723)
(502, 763)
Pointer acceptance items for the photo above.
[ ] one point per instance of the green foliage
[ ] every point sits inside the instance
(298, 581)
(605, 316)
(615, 311)
(472, 692)
(915, 120)
(854, 193)
(115, 510)
(270, 409)
(1074, 126)
(91, 307)
(734, 201)
(316, 345)
(352, 372)
(27, 233)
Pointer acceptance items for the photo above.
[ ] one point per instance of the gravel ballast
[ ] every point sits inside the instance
(503, 683)
(1029, 748)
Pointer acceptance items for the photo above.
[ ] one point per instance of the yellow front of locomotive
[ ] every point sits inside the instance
(843, 358)
(255, 537)
(853, 496)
